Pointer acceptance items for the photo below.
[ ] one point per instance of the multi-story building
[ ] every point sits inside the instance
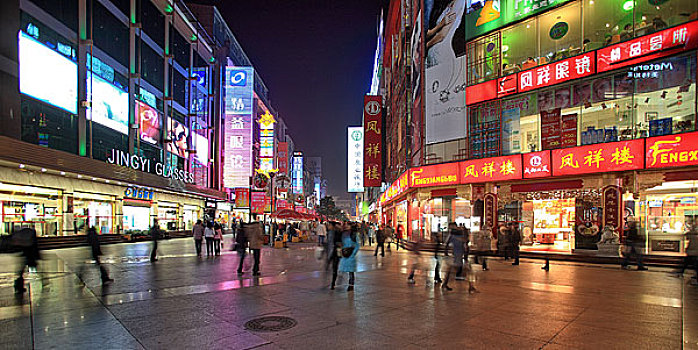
(580, 116)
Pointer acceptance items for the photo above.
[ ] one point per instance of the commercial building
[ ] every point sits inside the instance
(579, 115)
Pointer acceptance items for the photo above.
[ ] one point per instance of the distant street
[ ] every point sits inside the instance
(182, 301)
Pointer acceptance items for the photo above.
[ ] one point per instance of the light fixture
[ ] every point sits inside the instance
(94, 179)
(591, 2)
(608, 25)
(63, 173)
(43, 170)
(628, 5)
(79, 176)
(21, 166)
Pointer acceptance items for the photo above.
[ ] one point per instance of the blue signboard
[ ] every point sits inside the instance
(239, 90)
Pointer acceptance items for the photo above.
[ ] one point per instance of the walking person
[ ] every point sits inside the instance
(380, 240)
(155, 234)
(691, 258)
(503, 244)
(456, 238)
(208, 235)
(217, 238)
(241, 245)
(633, 246)
(371, 233)
(93, 241)
(350, 247)
(321, 232)
(483, 246)
(335, 245)
(25, 240)
(416, 249)
(255, 237)
(389, 233)
(198, 233)
(399, 236)
(515, 241)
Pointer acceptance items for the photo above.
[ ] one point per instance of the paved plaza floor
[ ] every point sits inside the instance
(185, 302)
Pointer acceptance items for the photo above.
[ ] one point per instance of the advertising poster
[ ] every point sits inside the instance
(569, 131)
(486, 15)
(109, 104)
(445, 71)
(355, 159)
(297, 175)
(257, 202)
(242, 198)
(282, 157)
(178, 135)
(149, 122)
(550, 128)
(417, 67)
(511, 133)
(201, 147)
(372, 141)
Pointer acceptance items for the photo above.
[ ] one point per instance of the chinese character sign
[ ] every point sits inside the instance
(490, 169)
(242, 198)
(612, 214)
(257, 202)
(297, 173)
(395, 189)
(237, 150)
(239, 86)
(372, 141)
(266, 141)
(603, 157)
(558, 72)
(282, 157)
(536, 164)
(355, 159)
(663, 43)
(672, 150)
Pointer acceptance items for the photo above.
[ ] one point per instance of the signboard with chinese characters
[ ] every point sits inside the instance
(372, 141)
(490, 211)
(239, 86)
(550, 128)
(602, 157)
(297, 173)
(554, 73)
(242, 198)
(490, 169)
(282, 157)
(672, 150)
(257, 202)
(536, 164)
(266, 142)
(396, 189)
(434, 175)
(237, 154)
(355, 159)
(660, 44)
(612, 199)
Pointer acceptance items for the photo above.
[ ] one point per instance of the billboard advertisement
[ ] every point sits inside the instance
(258, 201)
(417, 66)
(242, 198)
(201, 146)
(149, 122)
(282, 157)
(109, 105)
(239, 90)
(266, 141)
(486, 15)
(46, 75)
(445, 71)
(355, 159)
(672, 151)
(373, 123)
(178, 135)
(237, 163)
(297, 173)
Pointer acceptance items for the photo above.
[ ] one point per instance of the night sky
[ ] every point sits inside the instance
(316, 58)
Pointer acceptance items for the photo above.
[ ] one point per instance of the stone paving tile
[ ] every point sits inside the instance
(72, 318)
(471, 337)
(103, 335)
(142, 326)
(342, 337)
(530, 326)
(219, 335)
(16, 333)
(586, 337)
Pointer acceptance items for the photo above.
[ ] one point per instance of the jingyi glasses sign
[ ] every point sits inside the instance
(355, 159)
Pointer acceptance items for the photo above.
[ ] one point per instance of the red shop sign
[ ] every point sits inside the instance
(242, 197)
(602, 157)
(396, 189)
(490, 169)
(506, 85)
(536, 164)
(612, 206)
(257, 202)
(571, 68)
(372, 140)
(648, 47)
(672, 150)
(434, 175)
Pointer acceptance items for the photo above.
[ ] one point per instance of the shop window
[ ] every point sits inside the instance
(180, 48)
(66, 11)
(485, 129)
(520, 125)
(28, 206)
(604, 22)
(152, 66)
(124, 6)
(651, 16)
(153, 22)
(520, 47)
(110, 34)
(483, 59)
(179, 87)
(105, 139)
(48, 126)
(559, 33)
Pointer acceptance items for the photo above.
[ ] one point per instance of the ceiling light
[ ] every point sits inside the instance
(21, 166)
(63, 173)
(43, 170)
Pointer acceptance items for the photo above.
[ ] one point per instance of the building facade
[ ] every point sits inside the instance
(579, 115)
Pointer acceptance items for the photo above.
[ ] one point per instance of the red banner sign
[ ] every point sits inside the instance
(372, 141)
(396, 189)
(672, 151)
(242, 198)
(257, 202)
(490, 169)
(571, 68)
(281, 204)
(282, 157)
(550, 129)
(536, 164)
(568, 130)
(602, 157)
(506, 85)
(490, 209)
(612, 210)
(648, 47)
(434, 175)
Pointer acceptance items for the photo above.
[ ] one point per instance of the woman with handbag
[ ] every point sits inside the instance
(350, 247)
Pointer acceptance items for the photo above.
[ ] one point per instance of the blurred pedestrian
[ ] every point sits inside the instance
(321, 232)
(255, 237)
(198, 233)
(633, 246)
(380, 240)
(515, 241)
(465, 234)
(503, 244)
(350, 247)
(335, 245)
(371, 233)
(389, 233)
(457, 240)
(209, 233)
(399, 235)
(25, 240)
(691, 258)
(93, 241)
(416, 249)
(483, 245)
(241, 245)
(217, 238)
(155, 235)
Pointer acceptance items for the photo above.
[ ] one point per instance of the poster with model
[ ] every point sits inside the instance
(445, 70)
(417, 43)
(178, 135)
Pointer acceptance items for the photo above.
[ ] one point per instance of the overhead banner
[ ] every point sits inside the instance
(297, 175)
(602, 157)
(373, 167)
(445, 72)
(282, 157)
(672, 150)
(491, 169)
(417, 67)
(237, 140)
(266, 141)
(434, 175)
(355, 159)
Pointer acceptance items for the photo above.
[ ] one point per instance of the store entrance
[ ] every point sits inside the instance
(548, 225)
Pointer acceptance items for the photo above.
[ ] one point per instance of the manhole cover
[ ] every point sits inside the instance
(270, 324)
